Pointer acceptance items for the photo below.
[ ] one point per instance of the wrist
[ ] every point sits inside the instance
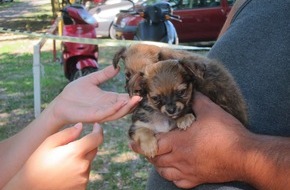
(240, 158)
(264, 166)
(51, 116)
(15, 183)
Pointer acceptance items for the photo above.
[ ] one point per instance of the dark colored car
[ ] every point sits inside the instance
(202, 20)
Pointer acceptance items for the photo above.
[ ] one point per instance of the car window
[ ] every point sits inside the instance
(191, 4)
(231, 2)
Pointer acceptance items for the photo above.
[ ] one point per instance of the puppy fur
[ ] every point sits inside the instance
(167, 79)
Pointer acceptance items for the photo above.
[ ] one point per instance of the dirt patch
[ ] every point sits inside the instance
(27, 15)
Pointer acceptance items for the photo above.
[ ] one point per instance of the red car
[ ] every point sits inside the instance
(202, 20)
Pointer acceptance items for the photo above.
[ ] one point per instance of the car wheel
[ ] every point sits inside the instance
(112, 32)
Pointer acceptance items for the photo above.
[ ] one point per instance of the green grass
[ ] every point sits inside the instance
(8, 4)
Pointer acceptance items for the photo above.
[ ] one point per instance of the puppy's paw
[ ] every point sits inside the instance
(146, 139)
(149, 147)
(185, 121)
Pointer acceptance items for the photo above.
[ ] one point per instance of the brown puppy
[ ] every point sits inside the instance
(167, 88)
(135, 58)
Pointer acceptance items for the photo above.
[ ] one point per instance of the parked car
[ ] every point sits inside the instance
(105, 14)
(202, 20)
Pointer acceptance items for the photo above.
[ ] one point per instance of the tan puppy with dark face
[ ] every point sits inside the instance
(136, 58)
(167, 87)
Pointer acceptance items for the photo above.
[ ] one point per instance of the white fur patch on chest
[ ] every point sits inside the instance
(161, 123)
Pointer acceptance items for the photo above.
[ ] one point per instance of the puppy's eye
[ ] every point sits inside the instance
(181, 92)
(128, 75)
(156, 99)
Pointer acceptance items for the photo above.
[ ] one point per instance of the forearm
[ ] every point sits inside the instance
(267, 164)
(17, 149)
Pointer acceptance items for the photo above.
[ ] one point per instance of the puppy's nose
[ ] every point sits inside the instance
(171, 109)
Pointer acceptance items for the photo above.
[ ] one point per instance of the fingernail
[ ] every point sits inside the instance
(138, 98)
(96, 127)
(78, 126)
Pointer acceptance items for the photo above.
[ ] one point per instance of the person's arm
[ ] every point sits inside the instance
(60, 162)
(80, 101)
(236, 6)
(218, 148)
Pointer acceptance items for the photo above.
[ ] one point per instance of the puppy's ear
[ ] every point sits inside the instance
(168, 53)
(195, 67)
(165, 54)
(118, 55)
(142, 84)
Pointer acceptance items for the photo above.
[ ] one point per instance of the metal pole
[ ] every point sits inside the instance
(36, 79)
(37, 67)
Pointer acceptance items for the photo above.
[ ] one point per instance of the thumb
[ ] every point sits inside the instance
(103, 75)
(90, 141)
(65, 136)
(201, 104)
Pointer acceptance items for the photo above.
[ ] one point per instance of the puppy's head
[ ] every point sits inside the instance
(136, 57)
(170, 85)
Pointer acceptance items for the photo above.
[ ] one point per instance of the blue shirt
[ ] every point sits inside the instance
(256, 50)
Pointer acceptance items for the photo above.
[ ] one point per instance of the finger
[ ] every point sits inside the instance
(135, 147)
(163, 148)
(184, 184)
(117, 102)
(201, 104)
(164, 160)
(90, 141)
(65, 136)
(103, 75)
(121, 110)
(91, 155)
(164, 142)
(171, 174)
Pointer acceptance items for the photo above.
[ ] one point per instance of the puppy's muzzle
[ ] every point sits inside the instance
(171, 110)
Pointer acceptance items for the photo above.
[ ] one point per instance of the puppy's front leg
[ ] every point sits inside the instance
(185, 121)
(147, 141)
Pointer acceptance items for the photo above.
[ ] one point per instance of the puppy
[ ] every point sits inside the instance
(136, 58)
(167, 87)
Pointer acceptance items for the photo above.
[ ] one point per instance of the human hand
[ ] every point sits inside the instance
(60, 162)
(209, 151)
(83, 101)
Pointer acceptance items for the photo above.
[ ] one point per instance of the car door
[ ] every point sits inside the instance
(202, 20)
